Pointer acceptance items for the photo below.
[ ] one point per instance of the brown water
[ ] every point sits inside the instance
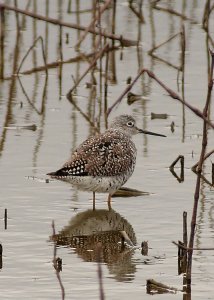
(26, 156)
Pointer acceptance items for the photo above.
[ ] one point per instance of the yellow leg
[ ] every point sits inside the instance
(109, 201)
(93, 200)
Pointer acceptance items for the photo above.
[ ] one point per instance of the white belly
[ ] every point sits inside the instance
(97, 184)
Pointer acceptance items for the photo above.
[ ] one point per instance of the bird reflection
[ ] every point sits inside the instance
(109, 228)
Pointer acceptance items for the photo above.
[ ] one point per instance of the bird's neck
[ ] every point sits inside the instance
(120, 131)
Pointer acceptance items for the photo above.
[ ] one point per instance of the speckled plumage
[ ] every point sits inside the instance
(104, 162)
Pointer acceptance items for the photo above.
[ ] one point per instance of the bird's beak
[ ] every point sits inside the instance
(150, 132)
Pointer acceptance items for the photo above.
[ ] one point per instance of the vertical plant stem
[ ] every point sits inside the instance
(106, 92)
(113, 19)
(5, 218)
(60, 43)
(101, 65)
(100, 273)
(93, 63)
(198, 181)
(185, 238)
(1, 252)
(2, 35)
(212, 173)
(17, 17)
(55, 263)
(183, 48)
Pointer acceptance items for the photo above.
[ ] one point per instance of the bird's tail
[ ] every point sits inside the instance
(52, 174)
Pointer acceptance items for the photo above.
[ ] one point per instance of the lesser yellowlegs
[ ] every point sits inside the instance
(104, 162)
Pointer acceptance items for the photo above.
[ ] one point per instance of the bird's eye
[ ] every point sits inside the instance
(130, 124)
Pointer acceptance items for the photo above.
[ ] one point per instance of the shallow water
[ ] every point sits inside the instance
(27, 155)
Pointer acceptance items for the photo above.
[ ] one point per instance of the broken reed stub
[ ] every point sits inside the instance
(1, 251)
(158, 116)
(171, 168)
(5, 218)
(155, 287)
(181, 158)
(212, 173)
(144, 248)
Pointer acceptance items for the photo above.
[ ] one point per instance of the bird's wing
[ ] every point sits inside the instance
(106, 154)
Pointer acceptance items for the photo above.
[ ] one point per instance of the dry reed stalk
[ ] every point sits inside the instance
(100, 274)
(106, 91)
(155, 287)
(171, 168)
(56, 64)
(181, 158)
(150, 52)
(39, 112)
(123, 41)
(212, 173)
(93, 22)
(56, 265)
(194, 168)
(172, 11)
(171, 93)
(194, 248)
(93, 63)
(1, 252)
(2, 35)
(182, 248)
(205, 20)
(5, 218)
(198, 181)
(138, 14)
(28, 51)
(85, 116)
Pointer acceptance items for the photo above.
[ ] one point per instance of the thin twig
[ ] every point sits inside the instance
(177, 97)
(85, 116)
(194, 168)
(169, 91)
(1, 252)
(191, 249)
(27, 97)
(124, 42)
(100, 276)
(173, 12)
(155, 287)
(128, 88)
(205, 20)
(2, 36)
(181, 158)
(198, 181)
(28, 51)
(171, 168)
(98, 55)
(150, 52)
(91, 25)
(58, 63)
(185, 236)
(106, 91)
(138, 14)
(5, 218)
(55, 264)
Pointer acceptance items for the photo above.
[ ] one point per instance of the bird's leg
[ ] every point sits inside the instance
(109, 201)
(93, 200)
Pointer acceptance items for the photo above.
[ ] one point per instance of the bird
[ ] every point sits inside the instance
(105, 161)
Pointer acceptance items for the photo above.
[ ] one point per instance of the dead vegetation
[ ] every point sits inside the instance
(106, 43)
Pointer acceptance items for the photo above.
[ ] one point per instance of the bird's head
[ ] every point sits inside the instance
(127, 124)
